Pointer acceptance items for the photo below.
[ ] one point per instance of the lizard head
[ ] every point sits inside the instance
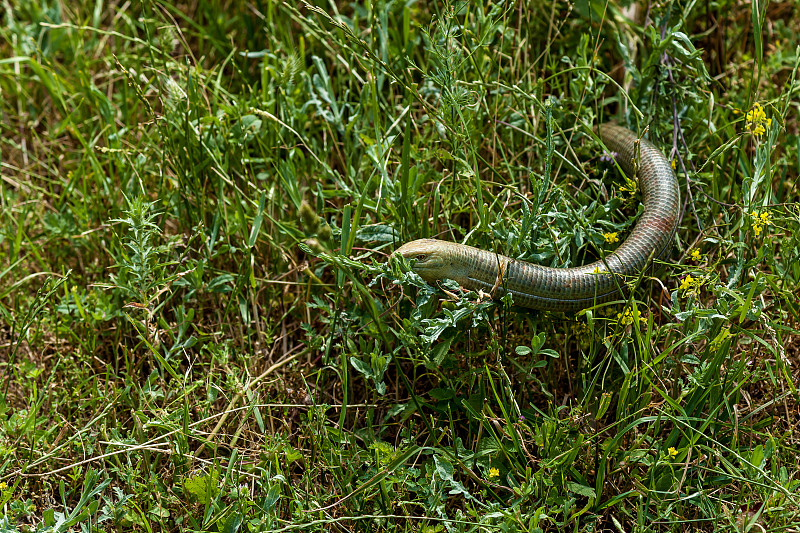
(430, 258)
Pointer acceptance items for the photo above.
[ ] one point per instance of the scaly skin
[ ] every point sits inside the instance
(568, 289)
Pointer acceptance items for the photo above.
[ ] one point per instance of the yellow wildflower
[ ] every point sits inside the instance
(611, 237)
(757, 121)
(627, 317)
(696, 255)
(494, 472)
(690, 285)
(672, 452)
(760, 221)
(630, 187)
(673, 163)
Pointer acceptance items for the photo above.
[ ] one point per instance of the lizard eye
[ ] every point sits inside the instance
(421, 257)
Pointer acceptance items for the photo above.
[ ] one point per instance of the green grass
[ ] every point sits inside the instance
(200, 330)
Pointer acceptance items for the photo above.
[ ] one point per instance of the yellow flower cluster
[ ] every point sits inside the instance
(757, 121)
(759, 221)
(672, 452)
(494, 472)
(628, 316)
(630, 187)
(696, 255)
(690, 285)
(611, 238)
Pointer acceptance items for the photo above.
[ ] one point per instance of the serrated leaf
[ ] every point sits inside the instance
(581, 490)
(378, 233)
